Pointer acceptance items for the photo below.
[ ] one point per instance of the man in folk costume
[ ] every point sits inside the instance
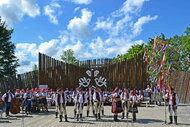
(7, 98)
(103, 100)
(149, 93)
(54, 98)
(116, 104)
(80, 100)
(90, 102)
(173, 102)
(133, 104)
(125, 104)
(75, 92)
(61, 101)
(97, 102)
(27, 98)
(44, 98)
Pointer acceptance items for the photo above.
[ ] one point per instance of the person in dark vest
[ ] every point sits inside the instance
(75, 92)
(7, 98)
(27, 98)
(125, 102)
(90, 102)
(97, 102)
(80, 100)
(102, 102)
(61, 102)
(173, 102)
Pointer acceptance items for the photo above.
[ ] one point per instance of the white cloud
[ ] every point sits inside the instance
(49, 48)
(122, 26)
(76, 9)
(12, 11)
(27, 48)
(40, 37)
(137, 28)
(121, 21)
(80, 1)
(52, 11)
(79, 26)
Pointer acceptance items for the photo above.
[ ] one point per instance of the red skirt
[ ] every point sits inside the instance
(117, 107)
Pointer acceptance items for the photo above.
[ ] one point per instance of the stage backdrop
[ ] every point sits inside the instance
(103, 73)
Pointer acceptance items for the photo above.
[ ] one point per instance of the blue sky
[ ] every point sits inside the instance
(92, 28)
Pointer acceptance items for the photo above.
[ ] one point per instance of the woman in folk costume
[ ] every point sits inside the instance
(133, 104)
(125, 102)
(61, 101)
(116, 104)
(173, 102)
(80, 100)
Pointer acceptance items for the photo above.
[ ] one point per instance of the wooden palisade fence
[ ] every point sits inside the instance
(55, 74)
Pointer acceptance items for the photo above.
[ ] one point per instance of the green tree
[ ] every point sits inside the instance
(134, 51)
(8, 60)
(68, 57)
(34, 67)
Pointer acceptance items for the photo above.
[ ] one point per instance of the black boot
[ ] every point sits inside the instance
(127, 116)
(96, 117)
(66, 118)
(87, 113)
(116, 120)
(103, 112)
(99, 116)
(175, 118)
(56, 114)
(75, 113)
(171, 120)
(77, 117)
(81, 117)
(60, 118)
(123, 115)
(134, 116)
(93, 112)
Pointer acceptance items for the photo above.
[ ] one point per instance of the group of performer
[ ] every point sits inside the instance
(124, 101)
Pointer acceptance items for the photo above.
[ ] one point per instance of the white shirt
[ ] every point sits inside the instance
(9, 97)
(124, 96)
(81, 98)
(176, 100)
(100, 96)
(61, 98)
(133, 98)
(29, 95)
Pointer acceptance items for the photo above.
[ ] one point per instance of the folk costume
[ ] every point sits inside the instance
(116, 104)
(75, 103)
(133, 104)
(7, 98)
(80, 100)
(173, 102)
(61, 101)
(28, 102)
(98, 98)
(125, 103)
(90, 102)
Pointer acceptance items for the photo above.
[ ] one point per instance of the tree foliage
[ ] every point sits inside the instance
(8, 60)
(134, 51)
(68, 57)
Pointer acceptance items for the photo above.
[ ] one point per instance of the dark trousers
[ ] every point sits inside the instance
(8, 106)
(28, 106)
